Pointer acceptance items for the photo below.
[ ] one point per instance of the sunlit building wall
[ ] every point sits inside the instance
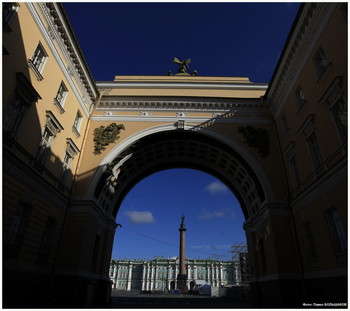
(48, 94)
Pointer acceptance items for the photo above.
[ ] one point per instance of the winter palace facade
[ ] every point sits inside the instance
(160, 274)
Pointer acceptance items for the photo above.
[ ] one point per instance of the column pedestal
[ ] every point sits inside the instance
(182, 283)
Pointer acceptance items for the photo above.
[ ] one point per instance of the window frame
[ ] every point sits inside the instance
(78, 120)
(321, 63)
(300, 98)
(46, 240)
(37, 64)
(11, 8)
(27, 95)
(52, 127)
(338, 239)
(310, 246)
(17, 230)
(61, 96)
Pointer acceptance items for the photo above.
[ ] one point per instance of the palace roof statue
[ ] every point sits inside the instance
(184, 68)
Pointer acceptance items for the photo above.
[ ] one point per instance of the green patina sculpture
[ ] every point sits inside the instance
(184, 68)
(103, 136)
(256, 138)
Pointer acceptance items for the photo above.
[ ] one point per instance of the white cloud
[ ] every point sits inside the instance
(219, 213)
(216, 187)
(144, 217)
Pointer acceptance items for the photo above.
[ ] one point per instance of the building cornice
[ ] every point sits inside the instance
(181, 85)
(60, 29)
(111, 103)
(85, 100)
(312, 19)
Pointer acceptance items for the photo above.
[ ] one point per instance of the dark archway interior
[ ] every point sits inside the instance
(180, 149)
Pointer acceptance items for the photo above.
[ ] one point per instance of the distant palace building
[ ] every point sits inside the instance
(160, 274)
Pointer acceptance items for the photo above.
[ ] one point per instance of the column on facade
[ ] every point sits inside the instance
(169, 277)
(148, 277)
(152, 277)
(195, 273)
(221, 275)
(217, 276)
(114, 276)
(129, 277)
(144, 267)
(156, 276)
(213, 274)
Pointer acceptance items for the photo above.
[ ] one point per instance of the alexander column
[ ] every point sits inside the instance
(182, 276)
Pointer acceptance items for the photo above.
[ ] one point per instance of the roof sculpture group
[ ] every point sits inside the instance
(184, 68)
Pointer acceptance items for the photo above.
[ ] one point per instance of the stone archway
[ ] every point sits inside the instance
(268, 226)
(267, 222)
(181, 149)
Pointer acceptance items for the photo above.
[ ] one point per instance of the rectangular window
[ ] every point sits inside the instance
(45, 144)
(336, 230)
(9, 10)
(14, 114)
(60, 97)
(284, 124)
(310, 247)
(77, 123)
(17, 229)
(47, 239)
(14, 111)
(300, 98)
(38, 60)
(321, 62)
(295, 171)
(51, 129)
(340, 114)
(315, 150)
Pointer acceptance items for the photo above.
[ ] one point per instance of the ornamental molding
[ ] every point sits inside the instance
(289, 152)
(257, 138)
(180, 105)
(103, 136)
(308, 127)
(61, 63)
(312, 22)
(58, 30)
(333, 93)
(232, 118)
(52, 123)
(183, 85)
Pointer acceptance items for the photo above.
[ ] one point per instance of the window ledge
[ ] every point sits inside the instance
(36, 71)
(324, 73)
(59, 106)
(75, 131)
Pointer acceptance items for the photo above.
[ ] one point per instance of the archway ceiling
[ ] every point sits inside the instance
(184, 149)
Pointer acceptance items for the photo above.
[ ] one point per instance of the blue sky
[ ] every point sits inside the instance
(151, 215)
(222, 39)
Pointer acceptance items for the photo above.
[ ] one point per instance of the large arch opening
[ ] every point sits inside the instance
(179, 149)
(148, 235)
(184, 149)
(152, 210)
(267, 223)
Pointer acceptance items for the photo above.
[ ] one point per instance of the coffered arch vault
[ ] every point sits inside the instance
(164, 148)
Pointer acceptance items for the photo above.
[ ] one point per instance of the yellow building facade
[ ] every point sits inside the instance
(73, 148)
